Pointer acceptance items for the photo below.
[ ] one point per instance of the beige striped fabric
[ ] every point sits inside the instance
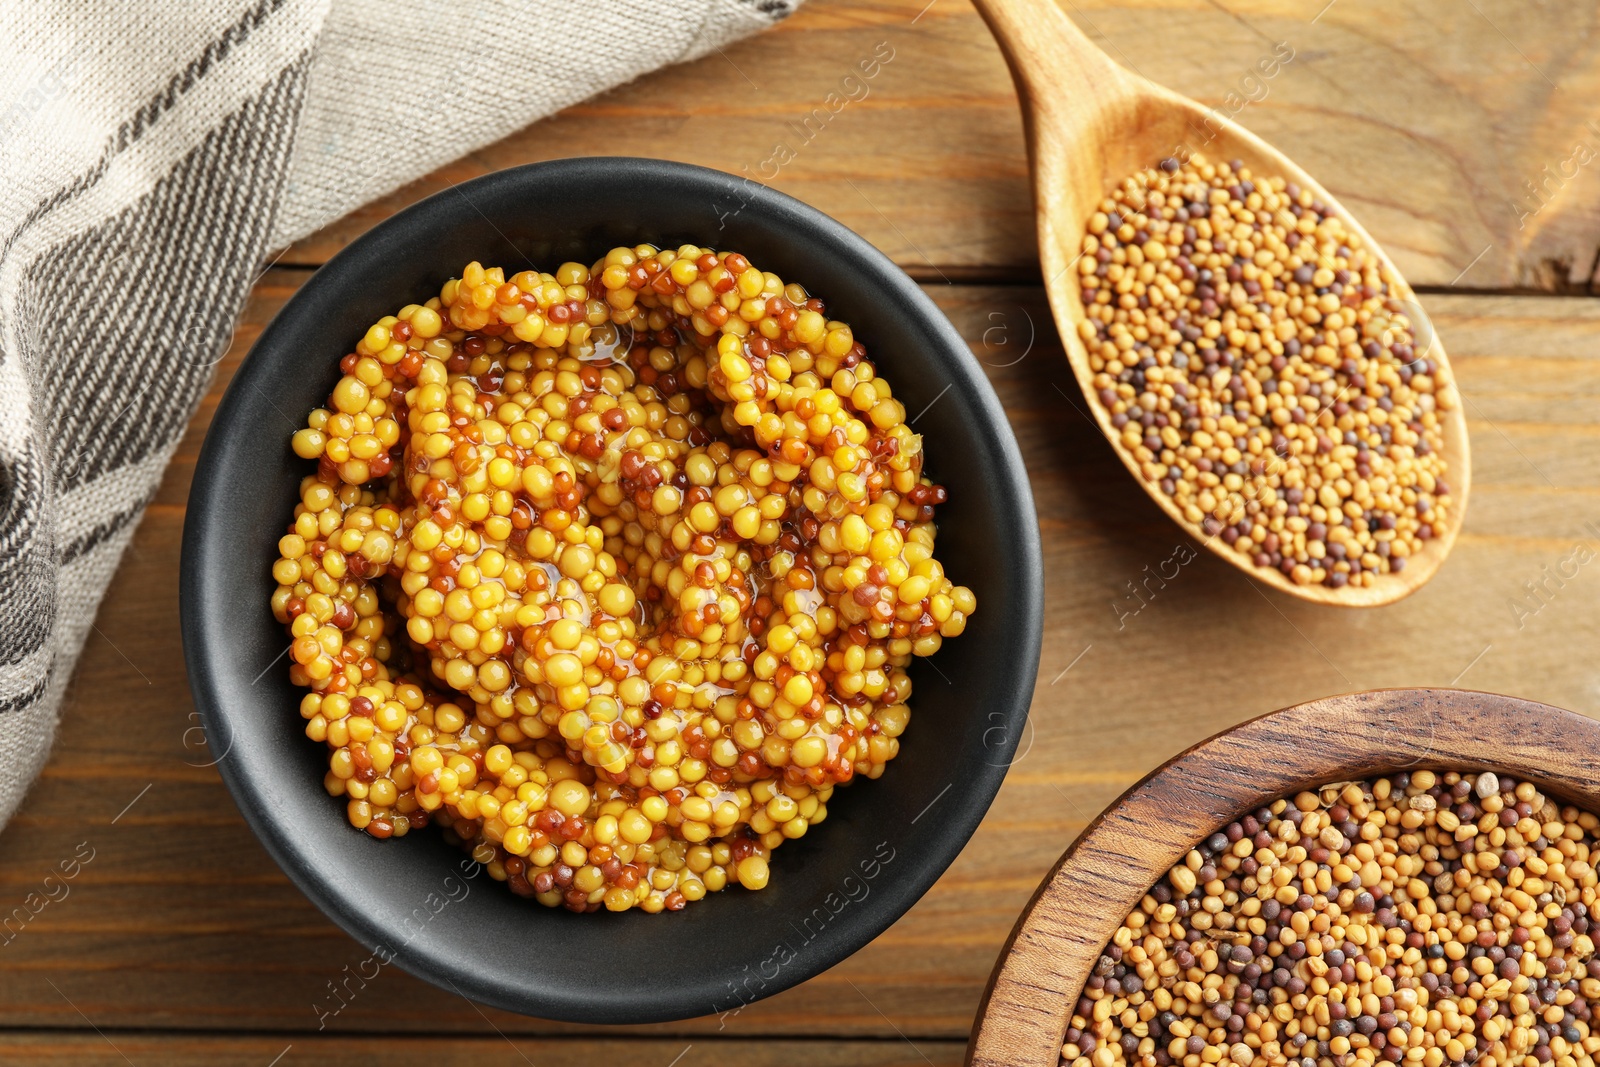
(152, 154)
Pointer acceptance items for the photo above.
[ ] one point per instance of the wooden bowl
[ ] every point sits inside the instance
(1091, 123)
(1134, 842)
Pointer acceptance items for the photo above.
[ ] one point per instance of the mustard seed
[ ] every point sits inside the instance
(1432, 918)
(1253, 356)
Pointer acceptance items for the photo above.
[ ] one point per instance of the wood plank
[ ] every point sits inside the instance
(116, 1048)
(182, 921)
(1453, 131)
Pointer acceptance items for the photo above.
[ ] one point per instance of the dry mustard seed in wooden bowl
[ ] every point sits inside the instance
(1394, 877)
(1443, 912)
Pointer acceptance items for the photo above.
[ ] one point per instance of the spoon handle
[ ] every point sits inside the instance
(1056, 67)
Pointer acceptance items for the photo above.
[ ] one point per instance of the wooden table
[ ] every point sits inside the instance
(181, 942)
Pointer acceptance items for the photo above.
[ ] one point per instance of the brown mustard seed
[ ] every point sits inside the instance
(615, 573)
(1432, 918)
(1254, 358)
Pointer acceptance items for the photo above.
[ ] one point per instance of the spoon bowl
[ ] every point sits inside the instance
(1090, 124)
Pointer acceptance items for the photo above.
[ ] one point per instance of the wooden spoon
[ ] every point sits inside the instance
(1090, 124)
(1145, 832)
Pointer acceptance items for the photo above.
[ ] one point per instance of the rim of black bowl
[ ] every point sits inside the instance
(703, 960)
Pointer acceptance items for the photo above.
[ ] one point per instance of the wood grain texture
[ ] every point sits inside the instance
(1109, 869)
(181, 934)
(115, 1048)
(1428, 120)
(181, 921)
(1090, 123)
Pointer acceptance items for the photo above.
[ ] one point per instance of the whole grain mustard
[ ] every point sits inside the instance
(614, 573)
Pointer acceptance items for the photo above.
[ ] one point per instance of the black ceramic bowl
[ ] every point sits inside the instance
(885, 842)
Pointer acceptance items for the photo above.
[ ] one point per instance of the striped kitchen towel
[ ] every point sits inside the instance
(152, 154)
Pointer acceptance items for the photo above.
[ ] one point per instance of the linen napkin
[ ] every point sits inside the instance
(151, 154)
